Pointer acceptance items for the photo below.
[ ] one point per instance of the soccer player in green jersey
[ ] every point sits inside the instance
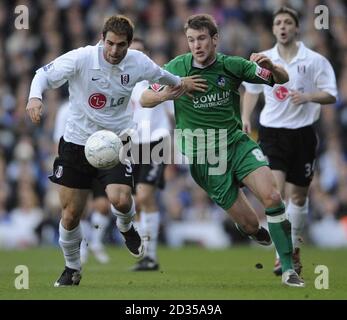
(210, 123)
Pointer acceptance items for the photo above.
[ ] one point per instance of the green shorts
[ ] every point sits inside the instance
(242, 158)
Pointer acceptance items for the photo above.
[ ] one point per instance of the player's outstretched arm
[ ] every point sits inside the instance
(150, 98)
(279, 74)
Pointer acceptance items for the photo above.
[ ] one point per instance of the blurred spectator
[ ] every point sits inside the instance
(19, 230)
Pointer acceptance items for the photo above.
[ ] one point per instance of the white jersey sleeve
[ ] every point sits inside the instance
(56, 73)
(155, 74)
(254, 88)
(62, 68)
(325, 77)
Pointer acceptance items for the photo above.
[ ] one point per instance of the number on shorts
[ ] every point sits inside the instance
(128, 167)
(309, 169)
(258, 154)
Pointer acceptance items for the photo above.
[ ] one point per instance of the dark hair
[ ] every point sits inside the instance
(200, 21)
(120, 25)
(289, 11)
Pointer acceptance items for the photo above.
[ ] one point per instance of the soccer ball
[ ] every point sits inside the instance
(102, 149)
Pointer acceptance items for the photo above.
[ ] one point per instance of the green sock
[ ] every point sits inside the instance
(280, 231)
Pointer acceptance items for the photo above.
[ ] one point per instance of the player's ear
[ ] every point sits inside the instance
(215, 38)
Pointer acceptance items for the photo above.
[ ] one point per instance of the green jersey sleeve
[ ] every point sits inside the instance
(248, 71)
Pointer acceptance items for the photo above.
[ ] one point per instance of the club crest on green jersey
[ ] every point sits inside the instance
(221, 81)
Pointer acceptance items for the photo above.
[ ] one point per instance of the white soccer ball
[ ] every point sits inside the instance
(102, 149)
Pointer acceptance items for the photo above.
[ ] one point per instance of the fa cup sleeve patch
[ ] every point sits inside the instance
(263, 73)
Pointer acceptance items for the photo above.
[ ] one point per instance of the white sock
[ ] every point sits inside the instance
(124, 220)
(149, 227)
(86, 232)
(70, 244)
(85, 229)
(297, 217)
(99, 224)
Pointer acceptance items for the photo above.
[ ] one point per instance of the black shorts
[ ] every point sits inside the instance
(71, 169)
(150, 173)
(98, 190)
(292, 151)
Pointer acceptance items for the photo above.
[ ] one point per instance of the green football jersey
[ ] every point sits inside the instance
(214, 114)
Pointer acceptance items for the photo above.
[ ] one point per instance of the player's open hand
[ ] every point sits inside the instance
(194, 83)
(262, 60)
(34, 110)
(298, 97)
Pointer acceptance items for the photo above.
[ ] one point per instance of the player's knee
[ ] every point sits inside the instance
(122, 202)
(69, 220)
(298, 200)
(272, 199)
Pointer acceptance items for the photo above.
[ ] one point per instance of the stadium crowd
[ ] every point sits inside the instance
(29, 204)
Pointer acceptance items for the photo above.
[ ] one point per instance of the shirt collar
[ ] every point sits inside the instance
(300, 55)
(96, 58)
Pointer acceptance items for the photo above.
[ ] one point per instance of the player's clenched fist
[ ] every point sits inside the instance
(262, 60)
(34, 109)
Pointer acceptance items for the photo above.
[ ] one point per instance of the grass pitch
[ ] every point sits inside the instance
(190, 273)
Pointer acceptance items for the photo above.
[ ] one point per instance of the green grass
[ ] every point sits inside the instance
(189, 273)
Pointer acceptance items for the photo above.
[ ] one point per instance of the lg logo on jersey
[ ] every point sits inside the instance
(281, 93)
(99, 100)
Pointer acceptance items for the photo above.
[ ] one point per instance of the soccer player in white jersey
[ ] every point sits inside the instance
(101, 79)
(153, 130)
(93, 232)
(286, 134)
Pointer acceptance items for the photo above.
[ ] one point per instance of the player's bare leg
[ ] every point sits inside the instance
(263, 184)
(246, 220)
(70, 236)
(123, 207)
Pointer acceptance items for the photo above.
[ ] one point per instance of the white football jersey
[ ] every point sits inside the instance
(99, 92)
(152, 123)
(308, 72)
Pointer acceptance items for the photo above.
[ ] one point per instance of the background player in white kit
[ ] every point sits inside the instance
(93, 231)
(101, 79)
(286, 134)
(153, 128)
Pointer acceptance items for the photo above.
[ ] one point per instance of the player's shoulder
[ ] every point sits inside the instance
(180, 65)
(232, 63)
(313, 55)
(185, 59)
(84, 51)
(230, 59)
(133, 53)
